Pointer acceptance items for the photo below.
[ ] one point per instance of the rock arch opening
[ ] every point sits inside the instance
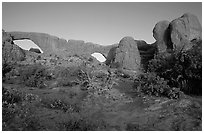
(100, 57)
(27, 44)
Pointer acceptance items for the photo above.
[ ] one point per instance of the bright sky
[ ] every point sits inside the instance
(102, 23)
(99, 57)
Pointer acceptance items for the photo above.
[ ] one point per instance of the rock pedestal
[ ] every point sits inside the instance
(126, 55)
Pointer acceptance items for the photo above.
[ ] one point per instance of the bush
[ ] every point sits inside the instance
(6, 67)
(18, 110)
(151, 84)
(69, 76)
(61, 104)
(34, 75)
(81, 122)
(121, 73)
(90, 59)
(182, 69)
(9, 101)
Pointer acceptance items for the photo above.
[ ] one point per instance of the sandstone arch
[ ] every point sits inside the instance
(46, 42)
(100, 57)
(52, 44)
(27, 44)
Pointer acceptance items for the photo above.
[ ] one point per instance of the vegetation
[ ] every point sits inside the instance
(152, 84)
(18, 110)
(82, 122)
(34, 75)
(80, 107)
(60, 104)
(169, 73)
(180, 69)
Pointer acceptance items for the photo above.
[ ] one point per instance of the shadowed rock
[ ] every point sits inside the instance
(161, 33)
(36, 50)
(147, 51)
(111, 55)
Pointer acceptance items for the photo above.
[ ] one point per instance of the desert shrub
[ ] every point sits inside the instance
(76, 55)
(61, 104)
(11, 97)
(152, 84)
(54, 61)
(133, 127)
(6, 67)
(182, 69)
(18, 110)
(83, 75)
(68, 76)
(39, 57)
(121, 73)
(9, 101)
(81, 122)
(34, 75)
(90, 59)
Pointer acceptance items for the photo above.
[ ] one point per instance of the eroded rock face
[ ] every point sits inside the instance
(126, 55)
(161, 33)
(184, 30)
(10, 51)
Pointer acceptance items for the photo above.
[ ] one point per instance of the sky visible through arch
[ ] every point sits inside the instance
(101, 23)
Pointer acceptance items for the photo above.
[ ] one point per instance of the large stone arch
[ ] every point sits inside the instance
(47, 43)
(27, 44)
(52, 44)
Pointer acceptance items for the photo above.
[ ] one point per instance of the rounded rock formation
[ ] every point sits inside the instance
(162, 35)
(111, 55)
(184, 30)
(126, 55)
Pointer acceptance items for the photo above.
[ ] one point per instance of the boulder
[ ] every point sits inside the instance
(36, 50)
(10, 51)
(126, 55)
(161, 33)
(184, 30)
(111, 55)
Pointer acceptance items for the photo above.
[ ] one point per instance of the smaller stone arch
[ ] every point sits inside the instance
(99, 56)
